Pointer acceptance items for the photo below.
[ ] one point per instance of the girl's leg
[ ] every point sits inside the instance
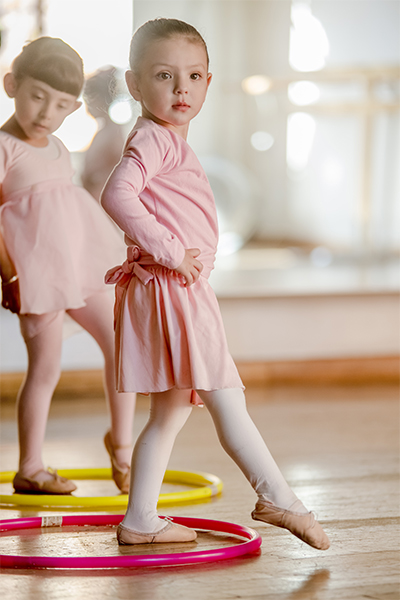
(34, 397)
(97, 319)
(277, 504)
(168, 413)
(241, 439)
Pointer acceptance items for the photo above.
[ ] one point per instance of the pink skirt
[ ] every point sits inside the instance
(168, 335)
(61, 242)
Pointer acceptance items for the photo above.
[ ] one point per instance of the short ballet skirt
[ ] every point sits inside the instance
(61, 242)
(167, 335)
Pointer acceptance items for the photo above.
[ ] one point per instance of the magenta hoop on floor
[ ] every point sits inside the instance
(252, 544)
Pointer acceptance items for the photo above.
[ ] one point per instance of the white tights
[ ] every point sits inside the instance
(238, 436)
(44, 356)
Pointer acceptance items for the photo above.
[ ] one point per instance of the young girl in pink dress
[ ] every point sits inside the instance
(55, 245)
(170, 340)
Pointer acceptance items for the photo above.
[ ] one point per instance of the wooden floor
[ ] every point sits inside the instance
(339, 449)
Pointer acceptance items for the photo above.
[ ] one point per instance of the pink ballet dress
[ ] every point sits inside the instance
(58, 237)
(167, 335)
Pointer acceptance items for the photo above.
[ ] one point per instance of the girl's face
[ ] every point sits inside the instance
(39, 108)
(172, 83)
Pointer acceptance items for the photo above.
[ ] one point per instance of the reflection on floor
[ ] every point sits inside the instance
(338, 448)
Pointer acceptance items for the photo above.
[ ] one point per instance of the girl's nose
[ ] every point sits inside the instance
(180, 87)
(45, 111)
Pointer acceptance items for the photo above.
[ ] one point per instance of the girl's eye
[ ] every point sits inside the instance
(164, 76)
(195, 76)
(37, 97)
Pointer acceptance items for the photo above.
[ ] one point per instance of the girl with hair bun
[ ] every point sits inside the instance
(170, 339)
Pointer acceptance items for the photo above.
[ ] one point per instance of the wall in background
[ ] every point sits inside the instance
(308, 162)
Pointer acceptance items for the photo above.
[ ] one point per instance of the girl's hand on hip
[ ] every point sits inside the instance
(190, 268)
(11, 298)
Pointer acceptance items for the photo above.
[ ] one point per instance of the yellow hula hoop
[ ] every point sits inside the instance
(206, 485)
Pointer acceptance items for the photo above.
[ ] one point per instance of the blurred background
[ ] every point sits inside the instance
(300, 139)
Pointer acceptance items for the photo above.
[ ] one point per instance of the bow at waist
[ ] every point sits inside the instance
(132, 266)
(122, 274)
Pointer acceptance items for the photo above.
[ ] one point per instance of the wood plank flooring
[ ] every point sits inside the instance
(338, 448)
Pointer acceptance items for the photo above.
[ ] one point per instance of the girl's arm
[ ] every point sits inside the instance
(120, 200)
(9, 280)
(142, 160)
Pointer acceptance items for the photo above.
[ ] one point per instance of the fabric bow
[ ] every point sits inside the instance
(121, 274)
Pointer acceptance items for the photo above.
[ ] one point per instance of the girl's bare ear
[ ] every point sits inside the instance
(10, 84)
(133, 85)
(209, 77)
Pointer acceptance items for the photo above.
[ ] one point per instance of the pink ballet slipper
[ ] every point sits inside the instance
(171, 532)
(302, 525)
(55, 485)
(120, 474)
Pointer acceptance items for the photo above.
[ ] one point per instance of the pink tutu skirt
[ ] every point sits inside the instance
(168, 335)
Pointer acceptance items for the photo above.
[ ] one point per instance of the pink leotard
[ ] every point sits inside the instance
(57, 235)
(167, 335)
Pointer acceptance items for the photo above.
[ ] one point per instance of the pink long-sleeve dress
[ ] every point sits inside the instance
(167, 335)
(58, 237)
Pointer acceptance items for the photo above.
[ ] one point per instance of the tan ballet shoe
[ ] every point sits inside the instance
(120, 474)
(55, 485)
(171, 532)
(304, 526)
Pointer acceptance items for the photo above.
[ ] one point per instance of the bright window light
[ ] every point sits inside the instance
(120, 111)
(300, 139)
(262, 141)
(77, 131)
(256, 85)
(309, 45)
(303, 93)
(100, 31)
(332, 172)
(71, 20)
(229, 242)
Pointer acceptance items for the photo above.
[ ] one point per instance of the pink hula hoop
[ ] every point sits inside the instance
(252, 544)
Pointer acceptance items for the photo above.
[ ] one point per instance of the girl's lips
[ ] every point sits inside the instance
(181, 106)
